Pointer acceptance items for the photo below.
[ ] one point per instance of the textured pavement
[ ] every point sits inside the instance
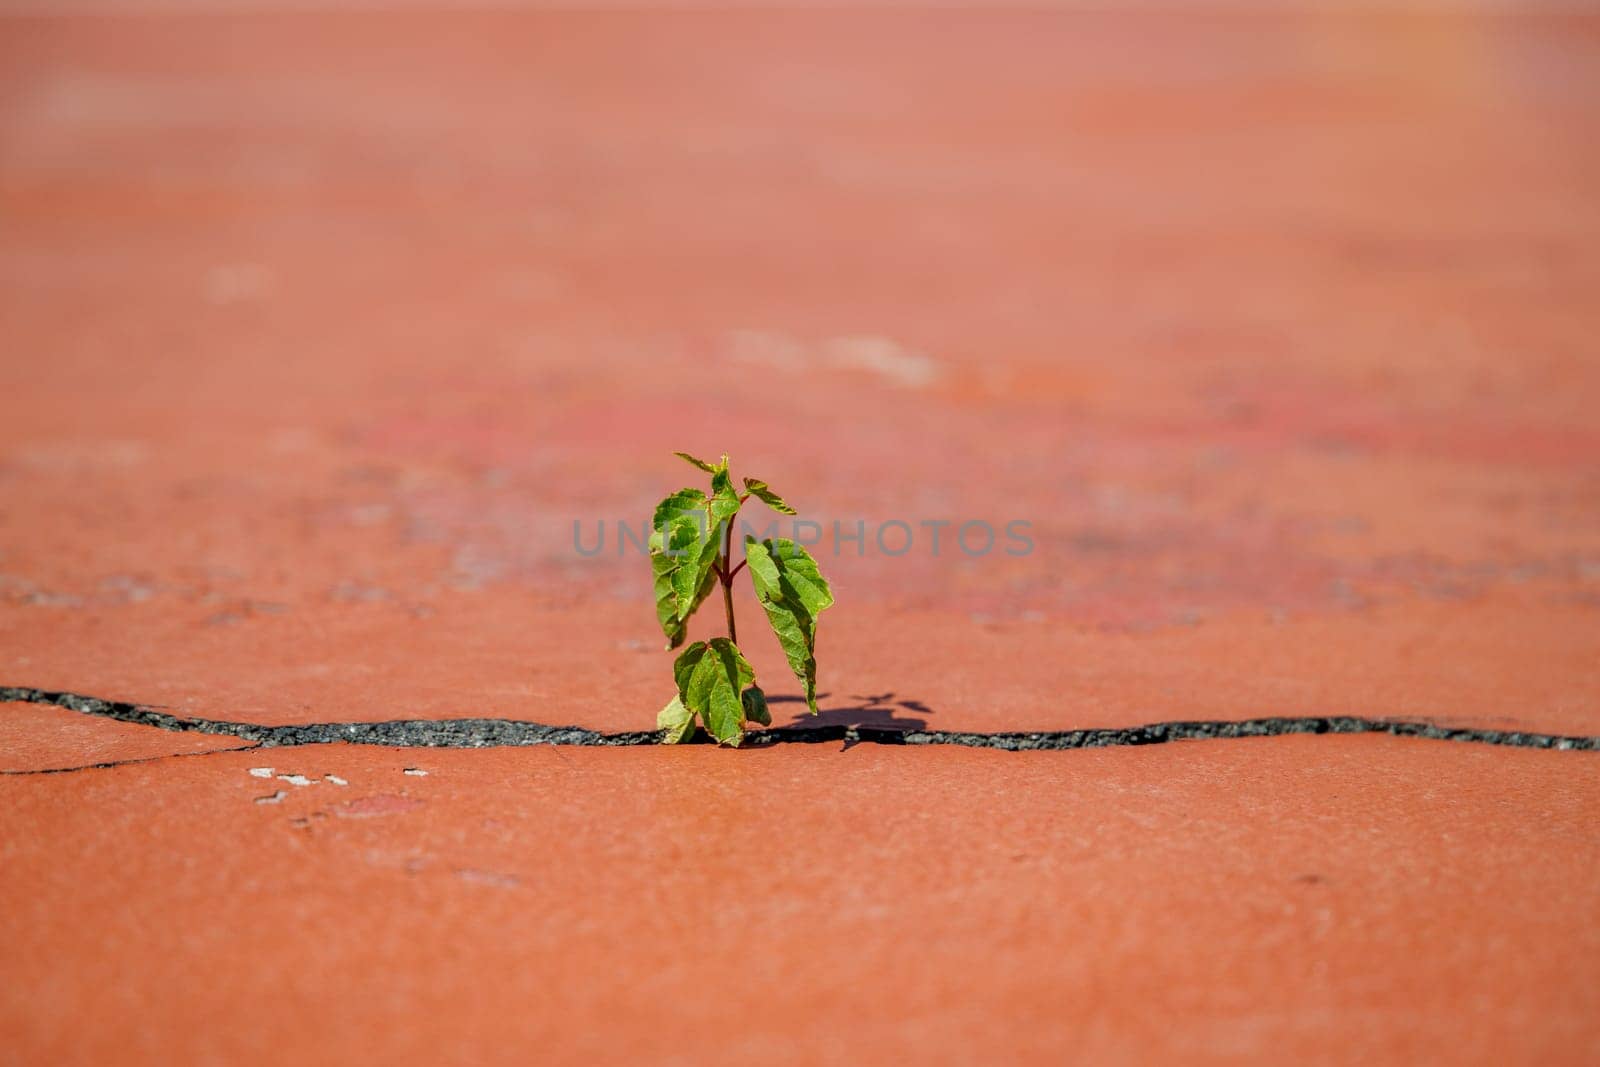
(322, 329)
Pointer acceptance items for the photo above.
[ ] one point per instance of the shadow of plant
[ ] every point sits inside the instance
(880, 710)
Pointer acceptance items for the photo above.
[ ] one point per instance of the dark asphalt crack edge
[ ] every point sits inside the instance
(495, 733)
(108, 764)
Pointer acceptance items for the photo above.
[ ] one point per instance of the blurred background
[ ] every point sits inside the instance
(324, 322)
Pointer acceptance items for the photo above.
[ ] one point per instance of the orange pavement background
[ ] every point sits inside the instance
(322, 327)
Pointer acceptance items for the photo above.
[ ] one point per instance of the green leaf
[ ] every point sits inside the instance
(685, 538)
(755, 706)
(724, 502)
(722, 486)
(676, 723)
(674, 624)
(684, 500)
(702, 464)
(711, 676)
(759, 489)
(684, 665)
(793, 593)
(799, 575)
(692, 581)
(683, 547)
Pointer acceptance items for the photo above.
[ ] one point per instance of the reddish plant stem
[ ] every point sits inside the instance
(727, 571)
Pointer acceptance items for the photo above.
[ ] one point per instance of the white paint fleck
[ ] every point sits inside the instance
(261, 772)
(890, 361)
(336, 780)
(273, 799)
(886, 358)
(416, 772)
(296, 779)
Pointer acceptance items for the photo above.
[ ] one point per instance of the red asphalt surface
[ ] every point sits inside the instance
(322, 329)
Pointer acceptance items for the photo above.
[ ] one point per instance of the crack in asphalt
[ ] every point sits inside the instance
(494, 733)
(107, 764)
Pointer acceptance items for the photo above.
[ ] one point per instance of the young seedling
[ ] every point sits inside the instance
(691, 552)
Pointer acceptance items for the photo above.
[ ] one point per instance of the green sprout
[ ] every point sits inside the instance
(691, 552)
